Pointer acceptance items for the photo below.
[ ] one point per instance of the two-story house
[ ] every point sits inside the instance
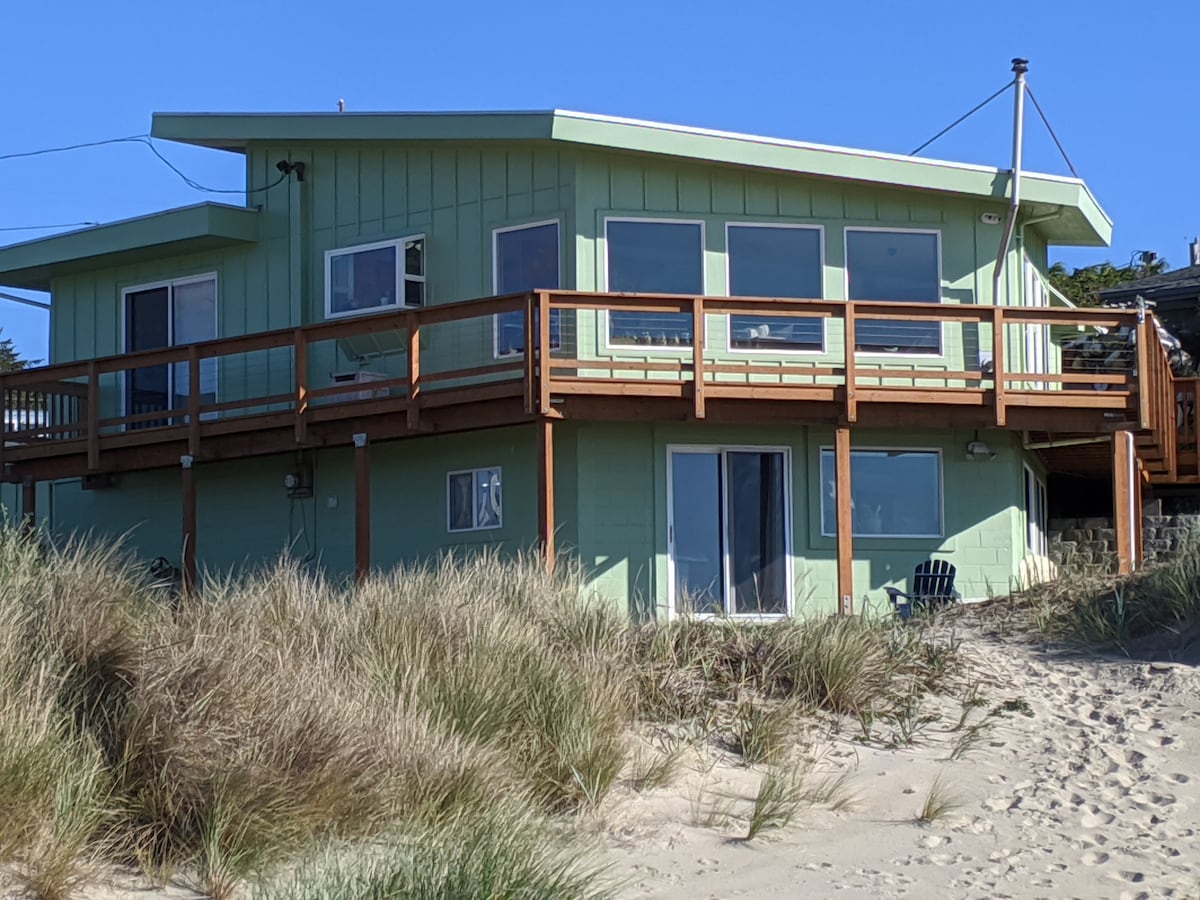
(767, 376)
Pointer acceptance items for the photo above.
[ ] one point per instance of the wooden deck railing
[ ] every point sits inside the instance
(443, 355)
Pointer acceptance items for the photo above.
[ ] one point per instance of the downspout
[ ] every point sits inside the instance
(1020, 67)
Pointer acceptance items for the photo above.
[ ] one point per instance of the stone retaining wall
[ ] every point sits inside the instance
(1094, 541)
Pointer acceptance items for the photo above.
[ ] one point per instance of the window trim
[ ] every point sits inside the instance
(729, 348)
(941, 354)
(788, 532)
(885, 449)
(608, 346)
(558, 231)
(170, 284)
(401, 275)
(499, 513)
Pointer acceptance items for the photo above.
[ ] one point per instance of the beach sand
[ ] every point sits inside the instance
(1095, 794)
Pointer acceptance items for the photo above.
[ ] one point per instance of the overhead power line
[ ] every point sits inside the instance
(148, 141)
(1046, 122)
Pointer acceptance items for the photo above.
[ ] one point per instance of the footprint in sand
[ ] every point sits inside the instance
(1094, 858)
(1096, 819)
(1179, 778)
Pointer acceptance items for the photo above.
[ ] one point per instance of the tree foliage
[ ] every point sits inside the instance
(10, 359)
(1083, 286)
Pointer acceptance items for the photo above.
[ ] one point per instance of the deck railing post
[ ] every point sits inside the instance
(300, 356)
(1144, 387)
(543, 351)
(531, 396)
(698, 330)
(998, 367)
(413, 412)
(92, 417)
(193, 400)
(849, 340)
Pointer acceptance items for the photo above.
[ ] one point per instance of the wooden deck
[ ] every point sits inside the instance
(258, 394)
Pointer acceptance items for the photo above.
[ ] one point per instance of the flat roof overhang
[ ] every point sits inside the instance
(190, 229)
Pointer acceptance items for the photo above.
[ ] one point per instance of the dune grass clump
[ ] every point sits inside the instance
(1095, 607)
(429, 728)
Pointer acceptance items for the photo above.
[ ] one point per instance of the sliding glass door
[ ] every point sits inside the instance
(729, 531)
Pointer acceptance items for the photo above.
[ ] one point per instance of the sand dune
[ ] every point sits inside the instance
(1096, 794)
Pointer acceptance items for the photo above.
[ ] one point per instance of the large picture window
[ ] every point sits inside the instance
(653, 257)
(898, 266)
(774, 261)
(374, 277)
(525, 258)
(729, 535)
(893, 493)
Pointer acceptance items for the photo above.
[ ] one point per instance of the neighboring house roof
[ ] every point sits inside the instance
(1080, 220)
(188, 229)
(1169, 285)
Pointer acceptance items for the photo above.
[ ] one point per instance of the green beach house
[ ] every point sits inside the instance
(758, 376)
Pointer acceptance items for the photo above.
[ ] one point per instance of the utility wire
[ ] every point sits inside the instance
(149, 142)
(963, 118)
(1046, 122)
(47, 227)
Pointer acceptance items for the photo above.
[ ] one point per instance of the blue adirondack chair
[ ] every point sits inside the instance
(932, 588)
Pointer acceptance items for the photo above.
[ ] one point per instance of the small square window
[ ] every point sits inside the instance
(474, 500)
(373, 277)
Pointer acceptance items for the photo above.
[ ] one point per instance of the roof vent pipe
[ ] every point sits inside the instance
(1195, 248)
(1019, 67)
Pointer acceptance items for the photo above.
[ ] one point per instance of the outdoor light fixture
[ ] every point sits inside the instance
(979, 450)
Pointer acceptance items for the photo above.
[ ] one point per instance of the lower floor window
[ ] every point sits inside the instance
(893, 493)
(729, 531)
(473, 498)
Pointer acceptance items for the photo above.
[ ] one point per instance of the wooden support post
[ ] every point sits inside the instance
(189, 522)
(93, 417)
(28, 505)
(1126, 500)
(193, 406)
(1139, 536)
(300, 354)
(698, 328)
(543, 350)
(3, 423)
(362, 508)
(849, 340)
(545, 429)
(1145, 392)
(845, 523)
(531, 394)
(414, 373)
(998, 364)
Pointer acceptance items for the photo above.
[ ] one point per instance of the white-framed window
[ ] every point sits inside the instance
(524, 258)
(775, 260)
(168, 314)
(474, 501)
(729, 530)
(1035, 513)
(902, 265)
(372, 277)
(653, 256)
(894, 493)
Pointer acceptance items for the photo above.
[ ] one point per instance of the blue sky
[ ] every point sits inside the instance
(1117, 81)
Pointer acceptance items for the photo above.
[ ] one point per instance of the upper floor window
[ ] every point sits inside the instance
(775, 261)
(898, 266)
(373, 277)
(524, 258)
(650, 256)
